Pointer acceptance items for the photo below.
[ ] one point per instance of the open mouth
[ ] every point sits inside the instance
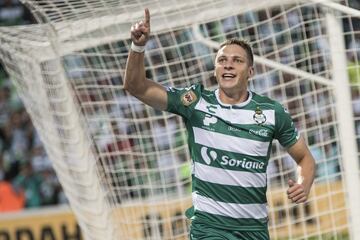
(228, 76)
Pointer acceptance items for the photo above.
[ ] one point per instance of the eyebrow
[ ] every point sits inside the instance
(231, 56)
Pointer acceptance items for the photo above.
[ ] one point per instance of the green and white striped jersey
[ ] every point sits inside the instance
(230, 147)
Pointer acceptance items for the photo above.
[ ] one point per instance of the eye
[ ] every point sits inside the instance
(221, 60)
(238, 60)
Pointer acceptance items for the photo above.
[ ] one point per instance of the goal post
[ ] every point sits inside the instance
(125, 166)
(345, 123)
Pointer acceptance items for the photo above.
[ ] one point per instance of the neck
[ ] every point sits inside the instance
(233, 98)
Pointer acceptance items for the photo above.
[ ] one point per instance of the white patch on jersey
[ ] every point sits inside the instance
(233, 210)
(230, 143)
(229, 177)
(235, 116)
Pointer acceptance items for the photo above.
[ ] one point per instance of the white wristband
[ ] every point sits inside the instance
(137, 48)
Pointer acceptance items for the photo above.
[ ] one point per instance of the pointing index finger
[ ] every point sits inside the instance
(147, 16)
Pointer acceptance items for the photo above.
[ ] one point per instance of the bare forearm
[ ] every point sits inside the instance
(307, 171)
(135, 82)
(299, 191)
(135, 73)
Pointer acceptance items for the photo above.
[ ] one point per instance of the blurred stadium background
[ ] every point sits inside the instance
(140, 157)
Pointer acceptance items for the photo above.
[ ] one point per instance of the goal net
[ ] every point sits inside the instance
(125, 167)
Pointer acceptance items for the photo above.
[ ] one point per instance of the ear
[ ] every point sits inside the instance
(251, 71)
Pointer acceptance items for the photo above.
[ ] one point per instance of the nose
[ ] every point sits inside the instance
(228, 65)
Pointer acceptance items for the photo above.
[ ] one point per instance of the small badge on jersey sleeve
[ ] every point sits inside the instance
(188, 98)
(259, 116)
(285, 109)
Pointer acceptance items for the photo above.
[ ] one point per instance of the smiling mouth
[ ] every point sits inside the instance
(228, 76)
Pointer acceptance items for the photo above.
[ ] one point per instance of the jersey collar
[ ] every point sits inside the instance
(242, 104)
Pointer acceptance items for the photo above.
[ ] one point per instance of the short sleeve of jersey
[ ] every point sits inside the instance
(182, 101)
(285, 130)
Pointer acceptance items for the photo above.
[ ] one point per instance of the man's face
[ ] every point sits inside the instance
(232, 68)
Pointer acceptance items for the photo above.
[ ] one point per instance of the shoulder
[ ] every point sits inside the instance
(196, 88)
(264, 100)
(269, 103)
(187, 95)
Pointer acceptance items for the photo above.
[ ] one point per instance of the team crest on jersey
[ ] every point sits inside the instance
(259, 116)
(188, 98)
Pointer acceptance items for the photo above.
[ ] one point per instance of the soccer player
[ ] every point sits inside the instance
(230, 131)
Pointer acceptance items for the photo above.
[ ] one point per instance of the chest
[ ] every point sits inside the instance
(256, 123)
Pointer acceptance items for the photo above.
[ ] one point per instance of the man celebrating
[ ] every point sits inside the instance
(230, 131)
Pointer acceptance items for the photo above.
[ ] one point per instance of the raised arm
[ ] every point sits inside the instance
(136, 83)
(298, 191)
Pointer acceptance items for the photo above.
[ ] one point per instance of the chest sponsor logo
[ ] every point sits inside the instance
(209, 119)
(208, 158)
(234, 129)
(243, 163)
(260, 132)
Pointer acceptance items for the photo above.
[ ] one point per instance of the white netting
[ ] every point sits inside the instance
(123, 161)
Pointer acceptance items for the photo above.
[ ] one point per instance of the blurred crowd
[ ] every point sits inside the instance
(28, 180)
